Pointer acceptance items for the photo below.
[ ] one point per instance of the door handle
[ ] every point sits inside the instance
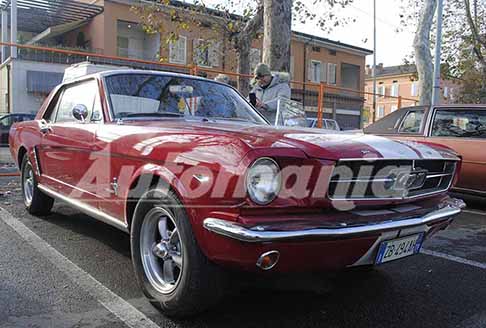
(44, 127)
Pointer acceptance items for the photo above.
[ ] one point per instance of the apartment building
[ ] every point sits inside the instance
(117, 31)
(399, 81)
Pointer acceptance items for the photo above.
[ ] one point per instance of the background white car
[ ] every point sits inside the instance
(327, 124)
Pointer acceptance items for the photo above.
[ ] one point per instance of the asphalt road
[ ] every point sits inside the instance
(68, 270)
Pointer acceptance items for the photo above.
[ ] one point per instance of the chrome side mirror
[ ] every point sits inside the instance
(80, 112)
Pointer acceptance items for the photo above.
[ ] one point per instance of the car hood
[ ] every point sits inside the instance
(316, 144)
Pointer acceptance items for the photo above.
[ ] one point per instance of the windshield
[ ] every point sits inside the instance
(153, 95)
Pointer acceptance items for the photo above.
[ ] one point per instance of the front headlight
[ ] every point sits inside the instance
(263, 181)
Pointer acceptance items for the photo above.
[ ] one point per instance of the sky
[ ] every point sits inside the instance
(392, 47)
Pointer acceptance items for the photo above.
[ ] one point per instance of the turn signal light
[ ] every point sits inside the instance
(268, 260)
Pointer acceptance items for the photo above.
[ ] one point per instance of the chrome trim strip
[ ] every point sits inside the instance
(397, 159)
(86, 209)
(236, 231)
(370, 179)
(37, 163)
(439, 175)
(469, 191)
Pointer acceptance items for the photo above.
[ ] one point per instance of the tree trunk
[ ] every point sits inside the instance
(277, 34)
(423, 57)
(243, 51)
(242, 45)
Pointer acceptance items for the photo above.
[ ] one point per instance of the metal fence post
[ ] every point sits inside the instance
(320, 105)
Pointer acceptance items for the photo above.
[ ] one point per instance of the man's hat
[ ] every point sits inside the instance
(262, 70)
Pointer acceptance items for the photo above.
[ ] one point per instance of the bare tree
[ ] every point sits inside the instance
(277, 34)
(423, 57)
(478, 42)
(241, 26)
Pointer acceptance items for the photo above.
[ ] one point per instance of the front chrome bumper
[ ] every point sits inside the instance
(266, 234)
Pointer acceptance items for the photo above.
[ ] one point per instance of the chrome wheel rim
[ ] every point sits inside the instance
(28, 184)
(161, 250)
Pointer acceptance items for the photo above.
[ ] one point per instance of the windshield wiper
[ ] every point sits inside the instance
(238, 119)
(156, 114)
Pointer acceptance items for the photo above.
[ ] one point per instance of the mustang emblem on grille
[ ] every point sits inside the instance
(406, 180)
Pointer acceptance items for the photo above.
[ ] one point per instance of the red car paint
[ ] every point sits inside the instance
(69, 153)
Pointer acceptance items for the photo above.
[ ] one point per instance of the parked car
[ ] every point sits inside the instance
(6, 122)
(460, 127)
(203, 184)
(327, 123)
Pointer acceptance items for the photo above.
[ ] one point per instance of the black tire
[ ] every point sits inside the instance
(200, 283)
(39, 203)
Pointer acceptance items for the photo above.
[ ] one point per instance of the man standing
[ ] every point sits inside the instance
(268, 88)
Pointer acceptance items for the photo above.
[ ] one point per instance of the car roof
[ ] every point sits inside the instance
(107, 73)
(447, 106)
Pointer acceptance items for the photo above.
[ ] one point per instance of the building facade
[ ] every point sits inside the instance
(117, 31)
(399, 81)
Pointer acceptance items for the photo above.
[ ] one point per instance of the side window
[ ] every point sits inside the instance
(50, 113)
(386, 125)
(332, 125)
(6, 122)
(460, 123)
(17, 118)
(80, 94)
(412, 122)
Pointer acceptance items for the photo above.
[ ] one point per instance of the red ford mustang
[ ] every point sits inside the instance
(203, 184)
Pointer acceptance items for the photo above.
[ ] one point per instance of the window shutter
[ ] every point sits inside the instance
(196, 58)
(331, 77)
(291, 67)
(324, 72)
(181, 51)
(310, 71)
(214, 53)
(255, 58)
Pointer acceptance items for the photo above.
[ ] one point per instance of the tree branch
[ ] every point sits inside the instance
(478, 41)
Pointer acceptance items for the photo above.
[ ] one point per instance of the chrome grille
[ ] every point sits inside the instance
(389, 179)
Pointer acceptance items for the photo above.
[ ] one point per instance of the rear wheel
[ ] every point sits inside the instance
(172, 271)
(36, 202)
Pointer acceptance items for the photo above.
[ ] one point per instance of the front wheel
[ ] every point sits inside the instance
(172, 271)
(35, 201)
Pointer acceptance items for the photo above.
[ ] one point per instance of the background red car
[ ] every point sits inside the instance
(460, 127)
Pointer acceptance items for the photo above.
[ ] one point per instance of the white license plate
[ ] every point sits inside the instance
(398, 248)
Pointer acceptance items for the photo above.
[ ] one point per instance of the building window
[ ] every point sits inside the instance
(380, 111)
(316, 49)
(315, 71)
(133, 42)
(331, 73)
(394, 108)
(414, 89)
(381, 90)
(177, 50)
(206, 53)
(201, 52)
(394, 89)
(122, 46)
(255, 58)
